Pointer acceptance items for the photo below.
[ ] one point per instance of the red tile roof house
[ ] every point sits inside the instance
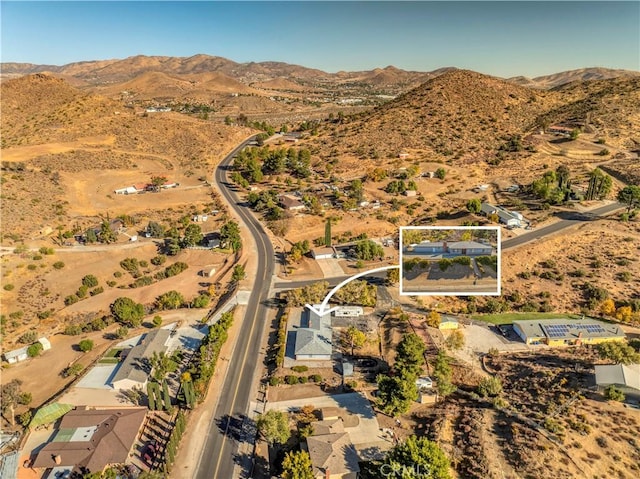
(89, 440)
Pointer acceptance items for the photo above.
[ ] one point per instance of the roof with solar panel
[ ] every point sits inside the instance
(569, 329)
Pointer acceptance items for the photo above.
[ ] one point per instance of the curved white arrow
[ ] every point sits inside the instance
(322, 312)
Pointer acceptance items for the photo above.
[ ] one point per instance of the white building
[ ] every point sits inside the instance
(348, 312)
(16, 355)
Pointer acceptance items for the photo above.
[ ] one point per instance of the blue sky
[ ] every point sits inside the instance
(497, 38)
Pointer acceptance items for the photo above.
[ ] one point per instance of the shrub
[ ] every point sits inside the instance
(275, 381)
(58, 265)
(117, 274)
(82, 291)
(37, 257)
(625, 276)
(43, 314)
(158, 260)
(85, 345)
(157, 320)
(72, 370)
(90, 281)
(47, 251)
(111, 283)
(122, 332)
(96, 291)
(302, 379)
(31, 267)
(290, 379)
(71, 299)
(34, 350)
(316, 378)
(28, 337)
(143, 263)
(201, 301)
(72, 330)
(300, 369)
(491, 386)
(614, 394)
(25, 418)
(8, 287)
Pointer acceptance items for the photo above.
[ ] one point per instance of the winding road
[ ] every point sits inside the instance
(220, 449)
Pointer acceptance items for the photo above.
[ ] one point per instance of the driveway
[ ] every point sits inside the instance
(330, 268)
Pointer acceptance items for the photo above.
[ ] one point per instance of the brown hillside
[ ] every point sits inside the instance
(459, 113)
(582, 74)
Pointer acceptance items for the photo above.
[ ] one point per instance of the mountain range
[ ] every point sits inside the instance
(105, 72)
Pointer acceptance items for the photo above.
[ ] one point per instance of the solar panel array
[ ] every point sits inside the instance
(557, 330)
(560, 330)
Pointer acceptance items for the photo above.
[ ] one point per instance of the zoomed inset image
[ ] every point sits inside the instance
(446, 261)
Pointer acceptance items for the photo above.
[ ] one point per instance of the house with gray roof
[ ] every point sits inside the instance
(314, 337)
(455, 248)
(135, 369)
(560, 331)
(625, 377)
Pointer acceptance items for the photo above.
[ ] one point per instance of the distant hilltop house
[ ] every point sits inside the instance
(154, 109)
(625, 377)
(144, 187)
(468, 248)
(560, 130)
(403, 155)
(314, 339)
(509, 218)
(559, 332)
(291, 203)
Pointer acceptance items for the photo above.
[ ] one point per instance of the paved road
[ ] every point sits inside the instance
(571, 220)
(219, 452)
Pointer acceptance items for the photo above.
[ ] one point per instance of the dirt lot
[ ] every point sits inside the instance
(44, 288)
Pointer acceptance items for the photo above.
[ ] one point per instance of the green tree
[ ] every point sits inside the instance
(157, 182)
(239, 273)
(230, 236)
(474, 205)
(327, 233)
(297, 465)
(368, 250)
(393, 276)
(417, 458)
(442, 374)
(441, 173)
(122, 332)
(396, 394)
(575, 133)
(354, 338)
(162, 365)
(630, 196)
(73, 370)
(156, 230)
(9, 395)
(618, 352)
(127, 311)
(410, 356)
(85, 345)
(170, 300)
(107, 235)
(274, 427)
(612, 393)
(34, 350)
(192, 235)
(90, 236)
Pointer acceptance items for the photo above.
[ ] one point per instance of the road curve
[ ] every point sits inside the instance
(219, 451)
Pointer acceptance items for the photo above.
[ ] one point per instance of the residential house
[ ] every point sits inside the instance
(291, 203)
(314, 337)
(509, 218)
(46, 345)
(16, 355)
(466, 248)
(332, 453)
(625, 377)
(89, 440)
(558, 332)
(448, 323)
(134, 370)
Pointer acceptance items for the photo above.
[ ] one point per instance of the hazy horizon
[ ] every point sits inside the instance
(504, 39)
